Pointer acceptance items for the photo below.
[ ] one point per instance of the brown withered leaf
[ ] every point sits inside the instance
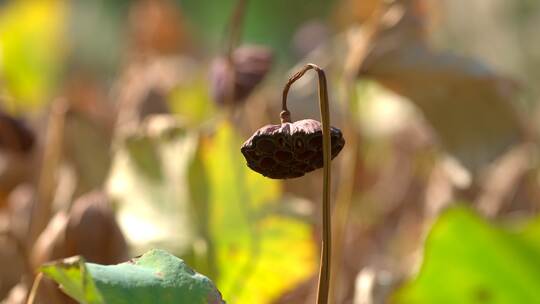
(469, 105)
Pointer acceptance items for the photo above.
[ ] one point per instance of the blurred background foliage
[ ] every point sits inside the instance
(113, 141)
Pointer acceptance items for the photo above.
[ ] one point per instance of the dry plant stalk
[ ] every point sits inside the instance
(359, 46)
(35, 286)
(286, 144)
(324, 273)
(235, 74)
(51, 159)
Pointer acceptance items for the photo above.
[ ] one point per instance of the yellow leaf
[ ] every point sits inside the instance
(259, 253)
(31, 34)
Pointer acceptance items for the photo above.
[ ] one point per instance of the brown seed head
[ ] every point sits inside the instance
(89, 229)
(289, 150)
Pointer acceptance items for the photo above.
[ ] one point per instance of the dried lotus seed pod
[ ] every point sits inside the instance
(289, 150)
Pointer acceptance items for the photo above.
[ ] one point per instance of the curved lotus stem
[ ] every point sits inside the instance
(235, 24)
(324, 273)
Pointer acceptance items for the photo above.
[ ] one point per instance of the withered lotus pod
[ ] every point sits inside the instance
(292, 149)
(289, 150)
(233, 80)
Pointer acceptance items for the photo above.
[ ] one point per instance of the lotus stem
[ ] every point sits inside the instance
(324, 273)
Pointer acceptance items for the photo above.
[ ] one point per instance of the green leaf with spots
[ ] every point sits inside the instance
(155, 277)
(467, 260)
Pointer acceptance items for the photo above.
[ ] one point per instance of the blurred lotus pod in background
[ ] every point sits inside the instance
(89, 229)
(232, 80)
(289, 150)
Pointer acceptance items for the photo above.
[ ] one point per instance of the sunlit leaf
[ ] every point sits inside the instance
(31, 49)
(203, 256)
(192, 101)
(155, 277)
(467, 260)
(259, 255)
(148, 180)
(142, 151)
